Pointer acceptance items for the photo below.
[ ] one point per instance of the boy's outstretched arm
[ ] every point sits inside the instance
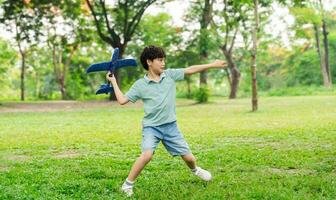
(198, 68)
(121, 98)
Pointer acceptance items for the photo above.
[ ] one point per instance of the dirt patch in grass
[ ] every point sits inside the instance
(20, 158)
(50, 106)
(290, 171)
(255, 141)
(4, 169)
(53, 106)
(67, 154)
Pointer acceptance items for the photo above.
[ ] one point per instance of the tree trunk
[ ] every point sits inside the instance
(58, 71)
(326, 47)
(203, 77)
(23, 64)
(188, 88)
(62, 88)
(235, 82)
(320, 54)
(61, 66)
(37, 85)
(22, 76)
(326, 52)
(204, 57)
(204, 23)
(254, 58)
(235, 73)
(228, 76)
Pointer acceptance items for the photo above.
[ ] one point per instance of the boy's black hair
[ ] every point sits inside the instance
(150, 53)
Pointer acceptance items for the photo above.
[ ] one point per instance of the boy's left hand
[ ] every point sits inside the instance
(110, 77)
(219, 63)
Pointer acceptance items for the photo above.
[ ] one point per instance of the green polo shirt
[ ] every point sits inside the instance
(158, 97)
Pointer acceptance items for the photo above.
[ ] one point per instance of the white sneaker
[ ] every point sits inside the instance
(203, 174)
(127, 189)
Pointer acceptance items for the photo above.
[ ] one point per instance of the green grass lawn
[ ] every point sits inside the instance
(286, 150)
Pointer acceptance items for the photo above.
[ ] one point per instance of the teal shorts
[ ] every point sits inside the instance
(171, 138)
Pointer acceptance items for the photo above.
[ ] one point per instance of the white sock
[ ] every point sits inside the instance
(128, 182)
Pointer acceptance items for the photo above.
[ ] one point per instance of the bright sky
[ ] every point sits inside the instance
(175, 8)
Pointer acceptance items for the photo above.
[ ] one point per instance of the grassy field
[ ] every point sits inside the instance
(286, 150)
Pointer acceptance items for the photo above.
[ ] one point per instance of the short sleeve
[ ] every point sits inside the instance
(133, 93)
(175, 74)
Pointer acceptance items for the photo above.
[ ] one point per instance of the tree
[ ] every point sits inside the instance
(64, 44)
(24, 23)
(325, 43)
(232, 14)
(254, 57)
(206, 18)
(255, 4)
(116, 24)
(312, 13)
(236, 20)
(201, 12)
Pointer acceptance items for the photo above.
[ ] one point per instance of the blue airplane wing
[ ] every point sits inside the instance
(103, 66)
(104, 89)
(115, 55)
(125, 62)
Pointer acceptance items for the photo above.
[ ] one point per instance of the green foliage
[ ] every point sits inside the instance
(76, 88)
(305, 18)
(81, 85)
(159, 30)
(303, 69)
(8, 58)
(304, 15)
(202, 94)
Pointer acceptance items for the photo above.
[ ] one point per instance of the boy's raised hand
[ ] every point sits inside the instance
(110, 77)
(219, 63)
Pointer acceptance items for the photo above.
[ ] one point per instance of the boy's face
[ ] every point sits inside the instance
(157, 65)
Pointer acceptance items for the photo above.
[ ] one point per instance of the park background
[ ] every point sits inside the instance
(58, 140)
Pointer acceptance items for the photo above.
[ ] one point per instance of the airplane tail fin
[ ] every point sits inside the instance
(105, 88)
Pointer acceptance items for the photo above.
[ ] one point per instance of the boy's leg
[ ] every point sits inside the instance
(190, 160)
(150, 140)
(139, 164)
(137, 167)
(176, 145)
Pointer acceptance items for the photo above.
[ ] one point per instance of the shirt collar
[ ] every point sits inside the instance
(162, 75)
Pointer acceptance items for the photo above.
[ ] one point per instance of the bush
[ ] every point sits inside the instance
(202, 94)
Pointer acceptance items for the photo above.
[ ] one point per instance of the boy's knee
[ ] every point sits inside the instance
(147, 156)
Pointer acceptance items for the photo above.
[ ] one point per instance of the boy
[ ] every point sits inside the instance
(157, 90)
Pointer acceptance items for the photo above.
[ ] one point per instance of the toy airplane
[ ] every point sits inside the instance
(111, 66)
